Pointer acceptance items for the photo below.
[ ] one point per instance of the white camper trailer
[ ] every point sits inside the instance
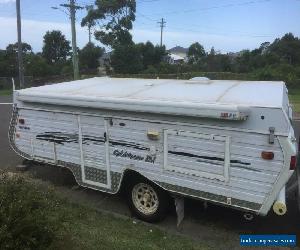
(226, 142)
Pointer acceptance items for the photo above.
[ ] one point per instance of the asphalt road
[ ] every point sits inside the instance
(8, 157)
(218, 226)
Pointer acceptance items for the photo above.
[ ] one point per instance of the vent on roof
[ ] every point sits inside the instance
(200, 78)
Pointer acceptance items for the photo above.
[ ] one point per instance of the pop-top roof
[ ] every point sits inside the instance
(209, 98)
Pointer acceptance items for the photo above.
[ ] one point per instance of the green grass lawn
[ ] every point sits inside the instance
(33, 212)
(294, 97)
(5, 92)
(85, 228)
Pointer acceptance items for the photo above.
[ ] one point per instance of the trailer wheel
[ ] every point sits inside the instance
(146, 200)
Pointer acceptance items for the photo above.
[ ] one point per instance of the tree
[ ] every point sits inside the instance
(5, 65)
(242, 61)
(89, 21)
(287, 48)
(196, 52)
(36, 66)
(264, 47)
(127, 59)
(282, 51)
(217, 62)
(134, 58)
(8, 59)
(56, 47)
(13, 48)
(116, 18)
(151, 55)
(212, 51)
(147, 53)
(89, 56)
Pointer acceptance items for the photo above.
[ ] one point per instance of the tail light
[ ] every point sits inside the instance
(22, 121)
(293, 162)
(267, 155)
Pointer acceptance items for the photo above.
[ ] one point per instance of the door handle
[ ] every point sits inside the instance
(105, 137)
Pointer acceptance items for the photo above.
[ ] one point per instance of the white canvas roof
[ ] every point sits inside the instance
(209, 98)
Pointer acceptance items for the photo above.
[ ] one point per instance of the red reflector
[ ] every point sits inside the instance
(22, 121)
(266, 155)
(293, 162)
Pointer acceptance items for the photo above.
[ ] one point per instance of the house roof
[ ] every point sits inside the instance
(178, 49)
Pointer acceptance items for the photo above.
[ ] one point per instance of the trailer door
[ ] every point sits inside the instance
(196, 154)
(94, 146)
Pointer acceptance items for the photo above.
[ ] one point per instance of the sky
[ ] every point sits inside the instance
(226, 25)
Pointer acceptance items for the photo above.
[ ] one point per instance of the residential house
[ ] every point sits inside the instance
(177, 55)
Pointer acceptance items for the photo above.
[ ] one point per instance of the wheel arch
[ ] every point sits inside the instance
(129, 174)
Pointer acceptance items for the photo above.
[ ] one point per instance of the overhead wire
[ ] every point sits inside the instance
(147, 17)
(221, 34)
(230, 5)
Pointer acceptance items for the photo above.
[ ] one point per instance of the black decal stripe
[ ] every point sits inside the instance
(202, 157)
(210, 162)
(243, 167)
(240, 162)
(196, 156)
(57, 137)
(86, 139)
(61, 138)
(128, 144)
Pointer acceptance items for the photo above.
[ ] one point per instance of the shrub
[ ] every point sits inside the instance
(150, 70)
(25, 222)
(282, 72)
(67, 69)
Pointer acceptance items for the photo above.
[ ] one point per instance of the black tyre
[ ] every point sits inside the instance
(146, 200)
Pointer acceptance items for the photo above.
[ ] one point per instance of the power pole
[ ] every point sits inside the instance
(162, 24)
(72, 10)
(74, 44)
(20, 49)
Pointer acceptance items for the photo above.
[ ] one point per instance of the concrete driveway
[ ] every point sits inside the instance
(218, 226)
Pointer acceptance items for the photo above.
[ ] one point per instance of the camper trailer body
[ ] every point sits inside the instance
(226, 142)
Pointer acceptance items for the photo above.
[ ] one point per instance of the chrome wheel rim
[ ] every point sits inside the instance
(145, 198)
